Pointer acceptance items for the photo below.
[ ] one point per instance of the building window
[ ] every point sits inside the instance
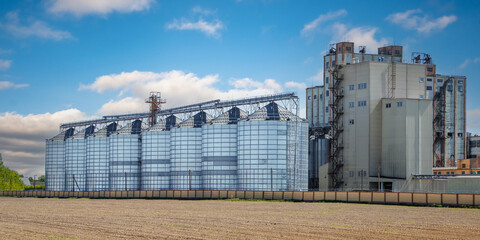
(422, 79)
(397, 52)
(460, 81)
(333, 63)
(321, 96)
(421, 96)
(327, 64)
(429, 87)
(460, 88)
(351, 121)
(350, 174)
(326, 93)
(309, 97)
(429, 69)
(399, 104)
(429, 79)
(463, 172)
(326, 80)
(351, 87)
(463, 165)
(351, 104)
(349, 48)
(362, 103)
(450, 134)
(362, 85)
(314, 96)
(460, 134)
(439, 80)
(388, 105)
(326, 109)
(452, 173)
(473, 172)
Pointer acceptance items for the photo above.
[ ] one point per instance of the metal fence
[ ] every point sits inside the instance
(396, 198)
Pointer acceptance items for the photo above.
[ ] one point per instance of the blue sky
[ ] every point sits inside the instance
(67, 60)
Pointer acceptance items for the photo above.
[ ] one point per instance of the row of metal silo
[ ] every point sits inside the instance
(234, 151)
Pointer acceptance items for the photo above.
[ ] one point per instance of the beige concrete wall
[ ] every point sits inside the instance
(407, 143)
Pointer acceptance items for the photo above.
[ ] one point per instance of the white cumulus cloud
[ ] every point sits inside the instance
(361, 36)
(6, 85)
(209, 28)
(178, 87)
(33, 29)
(317, 77)
(416, 20)
(292, 84)
(101, 7)
(315, 24)
(5, 64)
(22, 138)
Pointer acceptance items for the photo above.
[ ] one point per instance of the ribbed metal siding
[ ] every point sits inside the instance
(186, 155)
(219, 157)
(125, 153)
(297, 156)
(272, 150)
(156, 160)
(97, 163)
(55, 166)
(75, 165)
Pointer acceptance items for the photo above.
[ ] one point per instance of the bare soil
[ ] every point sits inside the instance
(37, 218)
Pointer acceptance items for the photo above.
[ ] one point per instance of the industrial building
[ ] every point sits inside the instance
(248, 144)
(377, 119)
(473, 146)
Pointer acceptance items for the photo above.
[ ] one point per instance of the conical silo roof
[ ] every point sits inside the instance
(165, 124)
(106, 131)
(196, 120)
(134, 127)
(273, 111)
(83, 133)
(231, 116)
(63, 135)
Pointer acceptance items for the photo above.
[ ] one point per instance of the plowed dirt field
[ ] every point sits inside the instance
(37, 218)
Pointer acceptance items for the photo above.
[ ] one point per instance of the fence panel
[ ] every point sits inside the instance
(449, 199)
(465, 199)
(308, 196)
(420, 198)
(342, 196)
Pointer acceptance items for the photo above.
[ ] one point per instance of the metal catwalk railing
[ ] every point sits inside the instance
(213, 104)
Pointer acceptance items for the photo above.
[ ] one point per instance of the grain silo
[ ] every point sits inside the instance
(55, 161)
(219, 151)
(156, 155)
(186, 153)
(98, 158)
(76, 160)
(125, 155)
(272, 150)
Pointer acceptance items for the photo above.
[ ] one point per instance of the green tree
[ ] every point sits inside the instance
(41, 178)
(9, 179)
